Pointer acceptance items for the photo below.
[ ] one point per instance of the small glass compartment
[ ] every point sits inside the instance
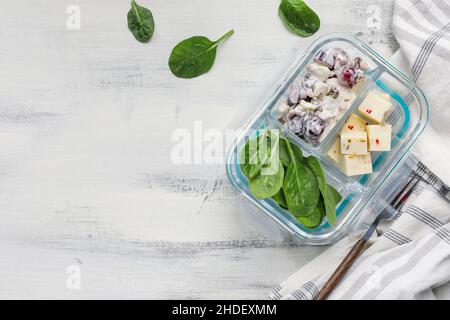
(407, 118)
(318, 96)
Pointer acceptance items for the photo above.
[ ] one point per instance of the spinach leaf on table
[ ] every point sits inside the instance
(194, 56)
(140, 22)
(300, 187)
(298, 17)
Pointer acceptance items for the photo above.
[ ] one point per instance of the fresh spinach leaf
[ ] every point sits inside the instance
(314, 164)
(300, 187)
(244, 158)
(315, 218)
(249, 156)
(331, 196)
(194, 56)
(280, 199)
(140, 22)
(336, 195)
(262, 155)
(298, 17)
(285, 158)
(267, 185)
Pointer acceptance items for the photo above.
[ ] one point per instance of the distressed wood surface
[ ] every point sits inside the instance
(86, 118)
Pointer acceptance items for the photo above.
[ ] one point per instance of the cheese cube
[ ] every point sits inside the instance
(354, 143)
(359, 85)
(354, 165)
(379, 137)
(374, 107)
(335, 150)
(385, 96)
(354, 123)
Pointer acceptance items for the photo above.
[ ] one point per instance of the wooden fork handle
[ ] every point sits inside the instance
(342, 269)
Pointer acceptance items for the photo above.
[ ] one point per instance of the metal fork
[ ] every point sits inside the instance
(385, 214)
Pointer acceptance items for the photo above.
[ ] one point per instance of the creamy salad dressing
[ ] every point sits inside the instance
(319, 98)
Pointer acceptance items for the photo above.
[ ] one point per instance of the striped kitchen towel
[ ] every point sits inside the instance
(422, 28)
(409, 256)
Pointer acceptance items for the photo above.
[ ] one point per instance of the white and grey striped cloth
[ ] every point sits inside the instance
(422, 28)
(409, 257)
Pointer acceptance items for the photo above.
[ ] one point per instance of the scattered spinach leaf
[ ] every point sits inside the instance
(300, 187)
(194, 56)
(298, 17)
(140, 22)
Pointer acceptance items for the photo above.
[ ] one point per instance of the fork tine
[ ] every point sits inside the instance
(405, 197)
(407, 189)
(411, 178)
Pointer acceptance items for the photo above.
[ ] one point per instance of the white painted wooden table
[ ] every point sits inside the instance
(86, 178)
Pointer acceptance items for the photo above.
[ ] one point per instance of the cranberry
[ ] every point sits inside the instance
(348, 76)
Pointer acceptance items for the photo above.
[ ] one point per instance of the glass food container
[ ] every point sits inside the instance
(408, 118)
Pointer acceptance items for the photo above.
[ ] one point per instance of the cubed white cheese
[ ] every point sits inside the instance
(320, 88)
(359, 85)
(354, 142)
(335, 150)
(354, 165)
(385, 96)
(354, 123)
(379, 137)
(375, 107)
